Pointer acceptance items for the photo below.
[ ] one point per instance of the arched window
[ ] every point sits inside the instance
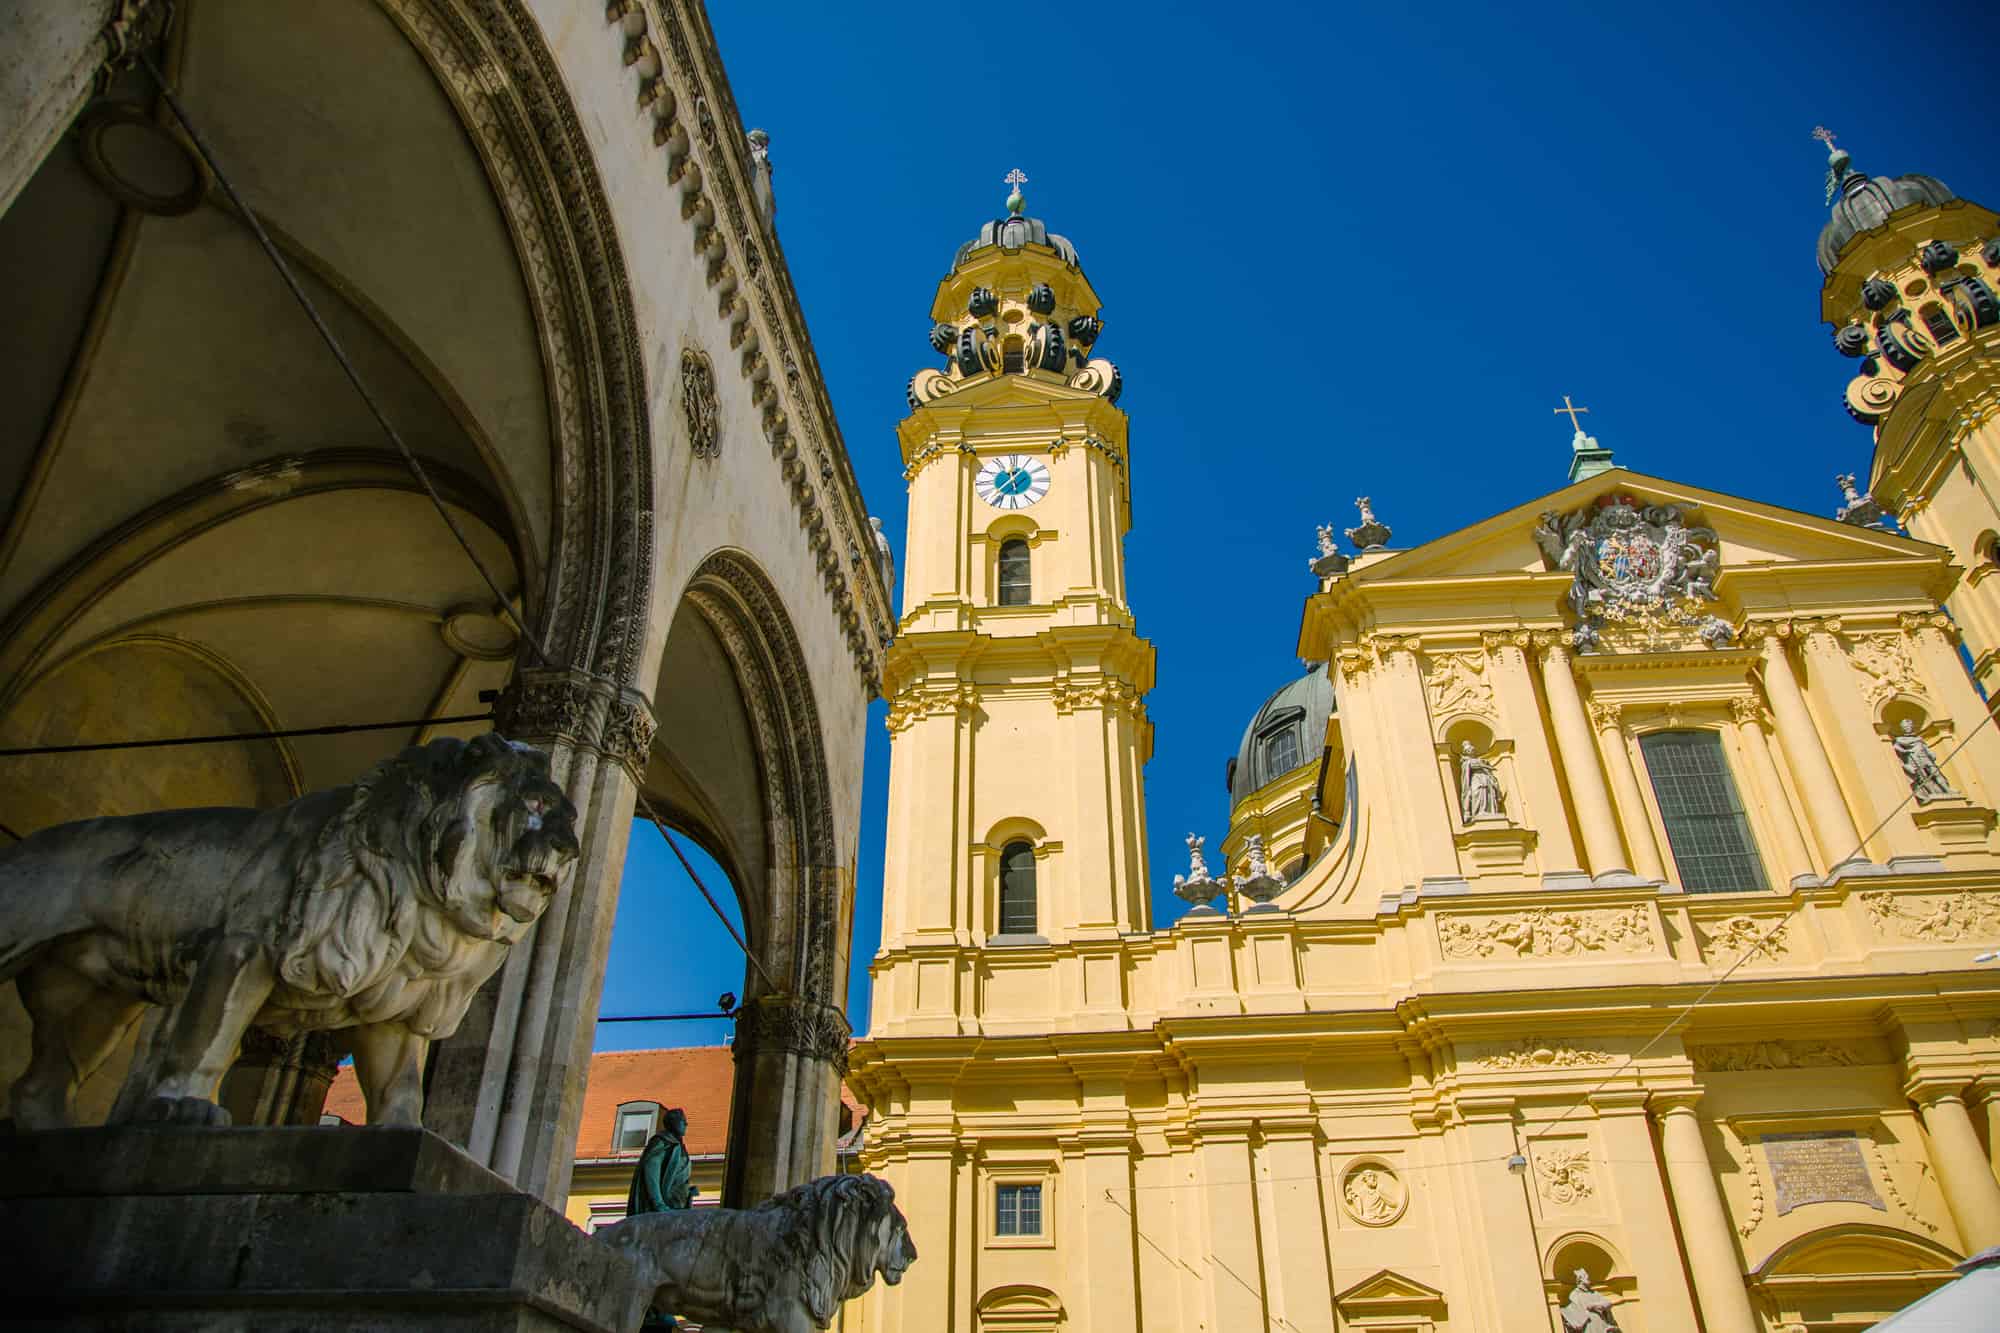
(1706, 826)
(1014, 572)
(1281, 751)
(1017, 889)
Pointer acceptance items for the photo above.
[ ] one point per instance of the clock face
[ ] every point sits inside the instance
(1012, 481)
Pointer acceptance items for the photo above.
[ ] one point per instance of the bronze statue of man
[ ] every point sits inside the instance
(661, 1181)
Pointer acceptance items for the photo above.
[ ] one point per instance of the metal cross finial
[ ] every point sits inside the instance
(1015, 178)
(1572, 409)
(1823, 134)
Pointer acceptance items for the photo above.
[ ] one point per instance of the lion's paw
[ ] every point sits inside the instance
(185, 1111)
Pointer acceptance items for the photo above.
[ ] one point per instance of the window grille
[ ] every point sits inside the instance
(636, 1123)
(1706, 826)
(1281, 753)
(1014, 572)
(1018, 1210)
(1017, 889)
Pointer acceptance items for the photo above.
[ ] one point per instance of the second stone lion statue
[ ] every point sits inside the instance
(784, 1266)
(379, 908)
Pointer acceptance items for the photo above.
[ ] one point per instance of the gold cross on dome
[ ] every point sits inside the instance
(1572, 409)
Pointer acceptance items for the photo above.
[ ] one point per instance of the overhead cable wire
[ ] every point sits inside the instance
(416, 467)
(288, 733)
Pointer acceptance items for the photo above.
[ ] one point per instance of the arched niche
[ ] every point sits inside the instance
(1588, 1253)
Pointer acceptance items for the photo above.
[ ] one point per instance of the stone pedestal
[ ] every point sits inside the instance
(141, 1227)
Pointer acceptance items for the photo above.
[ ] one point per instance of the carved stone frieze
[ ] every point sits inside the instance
(1456, 683)
(924, 699)
(1547, 933)
(1778, 1053)
(1934, 918)
(1544, 1053)
(1884, 664)
(795, 1026)
(1732, 937)
(1563, 1174)
(698, 406)
(1106, 692)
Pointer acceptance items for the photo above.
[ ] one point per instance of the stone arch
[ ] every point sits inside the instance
(794, 883)
(1848, 1275)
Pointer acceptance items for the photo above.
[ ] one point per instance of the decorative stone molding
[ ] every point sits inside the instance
(1892, 1189)
(916, 702)
(1544, 1053)
(1563, 1174)
(1494, 640)
(1387, 645)
(1456, 683)
(1779, 1053)
(1372, 1193)
(1753, 1188)
(1354, 663)
(1885, 665)
(1912, 621)
(795, 1026)
(1606, 716)
(1107, 692)
(1544, 933)
(1934, 918)
(1748, 711)
(545, 706)
(1734, 936)
(698, 406)
(709, 164)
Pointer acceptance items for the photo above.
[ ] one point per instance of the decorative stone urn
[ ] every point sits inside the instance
(1197, 887)
(1257, 883)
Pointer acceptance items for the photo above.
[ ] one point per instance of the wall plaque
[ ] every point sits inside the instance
(1819, 1167)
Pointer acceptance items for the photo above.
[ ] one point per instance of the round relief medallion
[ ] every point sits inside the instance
(1372, 1193)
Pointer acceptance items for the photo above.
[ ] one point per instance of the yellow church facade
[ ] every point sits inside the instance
(1597, 920)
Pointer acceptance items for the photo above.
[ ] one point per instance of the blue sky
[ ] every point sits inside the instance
(1343, 250)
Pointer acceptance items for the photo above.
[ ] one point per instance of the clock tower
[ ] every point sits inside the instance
(1017, 679)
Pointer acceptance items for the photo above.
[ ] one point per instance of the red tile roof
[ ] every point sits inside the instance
(698, 1079)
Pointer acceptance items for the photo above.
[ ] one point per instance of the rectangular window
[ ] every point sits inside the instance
(1281, 752)
(1706, 826)
(1018, 1210)
(635, 1126)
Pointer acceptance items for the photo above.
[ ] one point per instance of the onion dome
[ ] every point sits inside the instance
(1015, 231)
(1862, 203)
(1287, 731)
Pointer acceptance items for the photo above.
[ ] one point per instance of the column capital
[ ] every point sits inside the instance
(1985, 1088)
(1814, 630)
(1620, 1101)
(1552, 640)
(1674, 1101)
(1770, 632)
(1387, 644)
(1747, 710)
(551, 705)
(1485, 1110)
(794, 1025)
(1913, 621)
(1929, 1090)
(1494, 640)
(1605, 715)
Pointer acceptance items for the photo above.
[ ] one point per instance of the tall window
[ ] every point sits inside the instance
(1704, 816)
(636, 1123)
(1017, 889)
(1013, 572)
(1017, 1210)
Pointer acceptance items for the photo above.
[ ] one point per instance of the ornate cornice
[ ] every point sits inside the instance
(680, 87)
(546, 706)
(795, 1026)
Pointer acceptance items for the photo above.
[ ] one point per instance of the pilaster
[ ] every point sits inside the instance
(1963, 1172)
(1876, 786)
(1706, 1239)
(1505, 1218)
(1594, 815)
(1976, 768)
(1768, 792)
(1833, 826)
(1638, 1185)
(1404, 705)
(1634, 819)
(1535, 768)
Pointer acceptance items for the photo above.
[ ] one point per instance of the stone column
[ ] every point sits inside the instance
(1977, 767)
(1594, 816)
(1633, 1165)
(1296, 1256)
(508, 1087)
(1235, 1280)
(1879, 787)
(1646, 862)
(1505, 1225)
(1705, 1235)
(1985, 1095)
(791, 1053)
(1826, 809)
(1535, 767)
(1791, 853)
(1407, 709)
(1963, 1172)
(281, 1080)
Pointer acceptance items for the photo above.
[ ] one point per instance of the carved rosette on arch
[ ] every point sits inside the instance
(794, 1026)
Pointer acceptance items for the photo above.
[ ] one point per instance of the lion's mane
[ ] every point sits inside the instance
(371, 897)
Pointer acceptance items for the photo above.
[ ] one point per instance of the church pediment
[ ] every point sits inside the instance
(1748, 533)
(1390, 1293)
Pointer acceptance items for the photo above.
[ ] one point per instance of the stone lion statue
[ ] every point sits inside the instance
(379, 908)
(784, 1266)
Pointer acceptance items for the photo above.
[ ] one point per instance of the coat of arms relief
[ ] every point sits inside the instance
(1642, 577)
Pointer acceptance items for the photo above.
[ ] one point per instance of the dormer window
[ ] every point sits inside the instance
(637, 1122)
(1281, 751)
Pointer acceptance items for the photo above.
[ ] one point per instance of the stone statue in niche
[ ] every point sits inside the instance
(1920, 766)
(761, 172)
(376, 909)
(1478, 786)
(785, 1266)
(1588, 1310)
(1636, 566)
